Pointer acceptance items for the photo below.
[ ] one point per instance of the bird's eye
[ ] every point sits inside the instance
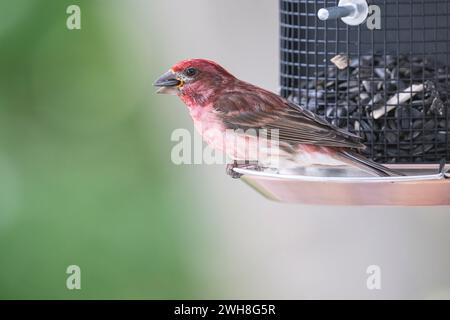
(190, 72)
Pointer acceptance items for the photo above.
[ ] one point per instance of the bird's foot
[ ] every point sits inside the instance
(235, 175)
(230, 170)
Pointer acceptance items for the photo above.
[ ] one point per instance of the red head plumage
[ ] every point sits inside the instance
(202, 65)
(200, 80)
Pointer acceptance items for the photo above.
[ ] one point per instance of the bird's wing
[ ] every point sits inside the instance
(296, 125)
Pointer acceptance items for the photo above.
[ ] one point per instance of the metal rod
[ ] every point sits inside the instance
(336, 12)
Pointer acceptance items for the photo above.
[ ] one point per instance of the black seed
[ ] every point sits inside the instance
(390, 136)
(381, 72)
(437, 107)
(443, 136)
(369, 86)
(430, 124)
(410, 130)
(421, 149)
(351, 107)
(403, 114)
(431, 137)
(392, 124)
(418, 124)
(330, 112)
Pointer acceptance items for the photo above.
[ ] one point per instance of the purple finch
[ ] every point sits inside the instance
(218, 102)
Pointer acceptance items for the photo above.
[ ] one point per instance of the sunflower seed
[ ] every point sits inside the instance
(363, 96)
(341, 61)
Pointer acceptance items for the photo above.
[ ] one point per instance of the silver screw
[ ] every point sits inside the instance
(335, 12)
(352, 12)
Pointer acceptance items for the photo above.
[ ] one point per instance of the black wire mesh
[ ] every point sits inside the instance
(394, 93)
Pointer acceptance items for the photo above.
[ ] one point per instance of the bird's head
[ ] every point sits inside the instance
(194, 80)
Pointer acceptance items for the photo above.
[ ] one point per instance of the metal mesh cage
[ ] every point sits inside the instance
(394, 91)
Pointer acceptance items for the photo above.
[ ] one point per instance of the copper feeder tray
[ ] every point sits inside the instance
(423, 185)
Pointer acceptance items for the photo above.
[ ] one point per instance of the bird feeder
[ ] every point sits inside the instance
(379, 69)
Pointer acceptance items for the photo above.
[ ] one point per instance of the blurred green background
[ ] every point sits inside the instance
(84, 173)
(86, 176)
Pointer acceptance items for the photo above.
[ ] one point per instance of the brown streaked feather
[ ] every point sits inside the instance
(249, 107)
(354, 158)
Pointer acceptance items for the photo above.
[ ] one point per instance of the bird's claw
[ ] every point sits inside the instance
(230, 170)
(235, 175)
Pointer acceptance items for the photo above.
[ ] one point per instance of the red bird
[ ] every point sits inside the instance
(217, 102)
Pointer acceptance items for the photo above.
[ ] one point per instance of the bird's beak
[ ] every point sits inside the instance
(168, 83)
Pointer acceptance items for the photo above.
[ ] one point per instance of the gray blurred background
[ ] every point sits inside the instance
(262, 249)
(86, 176)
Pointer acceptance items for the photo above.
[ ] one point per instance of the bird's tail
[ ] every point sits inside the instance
(355, 159)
